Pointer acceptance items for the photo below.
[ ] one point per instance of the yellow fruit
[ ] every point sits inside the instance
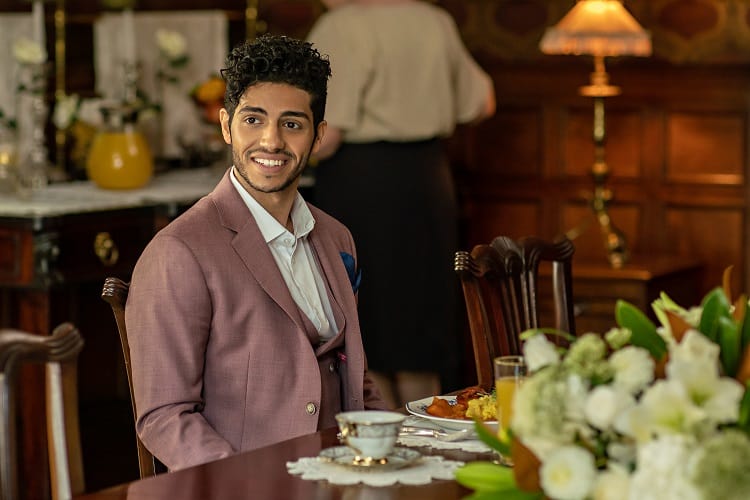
(210, 90)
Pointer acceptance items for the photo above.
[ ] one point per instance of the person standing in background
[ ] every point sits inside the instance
(402, 79)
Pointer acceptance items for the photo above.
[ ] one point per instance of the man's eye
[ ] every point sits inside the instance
(251, 119)
(293, 125)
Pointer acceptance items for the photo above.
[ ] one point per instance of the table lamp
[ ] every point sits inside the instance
(600, 28)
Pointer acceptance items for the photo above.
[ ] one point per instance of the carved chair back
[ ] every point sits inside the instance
(499, 282)
(59, 353)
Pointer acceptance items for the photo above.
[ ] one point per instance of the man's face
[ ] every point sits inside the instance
(272, 136)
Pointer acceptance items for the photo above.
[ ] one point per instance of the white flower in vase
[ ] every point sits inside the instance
(568, 473)
(539, 352)
(695, 363)
(612, 484)
(27, 51)
(66, 111)
(604, 403)
(634, 369)
(660, 471)
(172, 45)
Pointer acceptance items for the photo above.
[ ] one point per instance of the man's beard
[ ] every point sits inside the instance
(293, 176)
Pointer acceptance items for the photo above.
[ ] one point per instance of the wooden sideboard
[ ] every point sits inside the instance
(597, 287)
(56, 249)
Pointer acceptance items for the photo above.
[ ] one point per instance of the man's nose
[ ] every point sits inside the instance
(272, 140)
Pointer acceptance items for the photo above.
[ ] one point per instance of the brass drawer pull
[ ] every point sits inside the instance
(106, 249)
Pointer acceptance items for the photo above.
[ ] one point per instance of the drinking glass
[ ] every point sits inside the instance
(510, 372)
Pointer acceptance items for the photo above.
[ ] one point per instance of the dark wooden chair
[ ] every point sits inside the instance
(499, 282)
(115, 293)
(59, 353)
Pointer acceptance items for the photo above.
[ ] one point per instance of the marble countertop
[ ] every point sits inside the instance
(176, 186)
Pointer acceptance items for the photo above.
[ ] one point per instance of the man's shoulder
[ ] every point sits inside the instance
(199, 222)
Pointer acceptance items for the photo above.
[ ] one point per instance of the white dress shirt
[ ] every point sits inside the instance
(295, 258)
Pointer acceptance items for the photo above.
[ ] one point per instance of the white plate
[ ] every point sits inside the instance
(419, 409)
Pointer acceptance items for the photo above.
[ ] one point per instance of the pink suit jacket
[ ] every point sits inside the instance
(221, 360)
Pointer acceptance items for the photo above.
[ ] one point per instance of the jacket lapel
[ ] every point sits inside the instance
(250, 246)
(334, 273)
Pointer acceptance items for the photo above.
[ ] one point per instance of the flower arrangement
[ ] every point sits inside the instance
(642, 412)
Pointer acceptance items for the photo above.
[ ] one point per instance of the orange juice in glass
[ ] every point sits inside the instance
(509, 374)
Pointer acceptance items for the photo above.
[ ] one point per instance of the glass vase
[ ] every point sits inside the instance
(120, 157)
(34, 165)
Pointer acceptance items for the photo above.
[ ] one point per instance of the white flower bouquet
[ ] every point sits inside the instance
(642, 412)
(173, 53)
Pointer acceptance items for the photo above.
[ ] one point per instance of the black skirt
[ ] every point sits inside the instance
(399, 202)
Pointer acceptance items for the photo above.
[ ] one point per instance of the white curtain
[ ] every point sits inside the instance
(12, 27)
(206, 33)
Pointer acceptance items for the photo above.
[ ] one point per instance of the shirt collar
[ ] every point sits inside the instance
(270, 228)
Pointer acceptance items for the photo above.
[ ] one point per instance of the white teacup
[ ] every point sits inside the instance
(371, 434)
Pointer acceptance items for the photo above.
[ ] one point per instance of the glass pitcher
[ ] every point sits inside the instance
(119, 157)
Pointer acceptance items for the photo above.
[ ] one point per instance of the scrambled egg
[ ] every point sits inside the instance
(483, 408)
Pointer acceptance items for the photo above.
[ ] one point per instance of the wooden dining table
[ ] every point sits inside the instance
(262, 474)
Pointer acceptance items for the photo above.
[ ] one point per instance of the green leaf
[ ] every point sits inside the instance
(504, 495)
(665, 303)
(643, 330)
(745, 337)
(485, 476)
(490, 438)
(729, 341)
(715, 305)
(743, 421)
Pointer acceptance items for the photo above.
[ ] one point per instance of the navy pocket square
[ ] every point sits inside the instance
(355, 275)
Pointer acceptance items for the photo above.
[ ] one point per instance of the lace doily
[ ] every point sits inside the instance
(422, 472)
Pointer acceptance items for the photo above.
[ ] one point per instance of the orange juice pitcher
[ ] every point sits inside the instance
(119, 157)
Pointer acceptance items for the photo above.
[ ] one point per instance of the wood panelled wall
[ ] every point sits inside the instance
(677, 136)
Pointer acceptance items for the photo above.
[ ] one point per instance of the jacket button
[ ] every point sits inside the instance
(332, 367)
(311, 408)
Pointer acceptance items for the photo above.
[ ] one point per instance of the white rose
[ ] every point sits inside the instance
(65, 111)
(171, 43)
(660, 472)
(612, 484)
(568, 473)
(27, 51)
(603, 404)
(539, 352)
(634, 369)
(695, 348)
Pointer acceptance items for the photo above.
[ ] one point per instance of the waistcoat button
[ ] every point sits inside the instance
(311, 408)
(332, 367)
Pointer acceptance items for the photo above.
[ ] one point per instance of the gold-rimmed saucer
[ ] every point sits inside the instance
(343, 455)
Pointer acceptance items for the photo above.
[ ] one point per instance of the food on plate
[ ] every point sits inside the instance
(483, 408)
(469, 404)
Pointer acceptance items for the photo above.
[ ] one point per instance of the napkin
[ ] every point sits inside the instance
(469, 445)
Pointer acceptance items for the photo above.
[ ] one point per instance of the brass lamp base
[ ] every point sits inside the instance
(614, 240)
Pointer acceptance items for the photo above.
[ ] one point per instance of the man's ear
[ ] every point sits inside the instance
(319, 134)
(225, 125)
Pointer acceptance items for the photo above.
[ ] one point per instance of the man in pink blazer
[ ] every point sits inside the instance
(242, 314)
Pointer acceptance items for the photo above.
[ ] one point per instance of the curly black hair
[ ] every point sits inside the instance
(277, 59)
